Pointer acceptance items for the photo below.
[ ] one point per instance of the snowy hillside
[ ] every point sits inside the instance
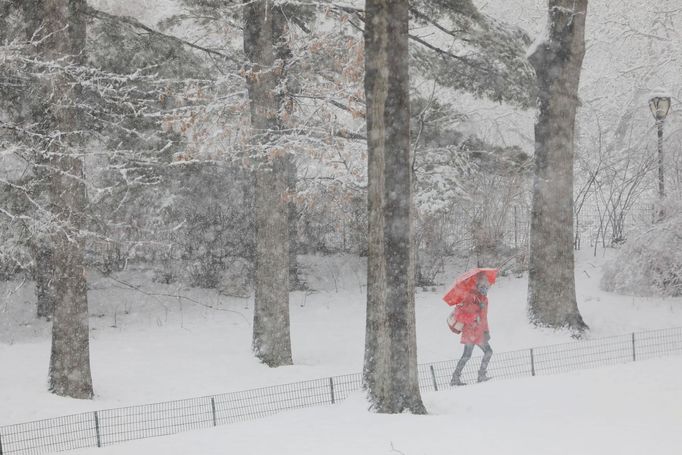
(165, 348)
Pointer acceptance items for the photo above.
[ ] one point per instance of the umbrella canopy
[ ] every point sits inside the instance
(466, 283)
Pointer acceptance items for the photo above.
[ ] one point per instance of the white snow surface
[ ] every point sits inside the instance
(165, 348)
(628, 409)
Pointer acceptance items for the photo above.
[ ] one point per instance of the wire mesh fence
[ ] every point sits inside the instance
(112, 426)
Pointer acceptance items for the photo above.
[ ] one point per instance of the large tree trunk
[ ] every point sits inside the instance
(557, 62)
(59, 28)
(390, 369)
(264, 27)
(70, 358)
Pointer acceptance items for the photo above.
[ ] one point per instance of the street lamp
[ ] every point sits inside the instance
(660, 106)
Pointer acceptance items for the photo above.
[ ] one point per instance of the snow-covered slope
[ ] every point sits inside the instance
(153, 346)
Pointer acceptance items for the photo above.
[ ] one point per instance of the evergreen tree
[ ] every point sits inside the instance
(470, 52)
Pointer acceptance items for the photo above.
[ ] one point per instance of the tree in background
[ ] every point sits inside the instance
(63, 104)
(59, 28)
(323, 84)
(266, 49)
(557, 59)
(390, 367)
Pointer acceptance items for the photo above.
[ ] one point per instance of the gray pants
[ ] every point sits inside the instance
(468, 350)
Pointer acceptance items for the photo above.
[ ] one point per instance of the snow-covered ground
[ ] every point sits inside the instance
(153, 346)
(628, 409)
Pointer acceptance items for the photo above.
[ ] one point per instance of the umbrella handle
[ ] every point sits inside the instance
(499, 267)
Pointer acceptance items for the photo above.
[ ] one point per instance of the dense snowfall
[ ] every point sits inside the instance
(191, 193)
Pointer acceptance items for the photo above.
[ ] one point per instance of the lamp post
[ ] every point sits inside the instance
(660, 106)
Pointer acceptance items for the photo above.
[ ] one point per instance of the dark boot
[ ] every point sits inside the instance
(483, 371)
(456, 381)
(466, 355)
(483, 377)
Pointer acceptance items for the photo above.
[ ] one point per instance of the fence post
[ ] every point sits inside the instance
(99, 438)
(331, 389)
(634, 355)
(0, 444)
(433, 375)
(532, 363)
(215, 421)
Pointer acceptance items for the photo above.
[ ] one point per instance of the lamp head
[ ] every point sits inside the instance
(660, 106)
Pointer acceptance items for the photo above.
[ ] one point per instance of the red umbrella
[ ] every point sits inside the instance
(466, 283)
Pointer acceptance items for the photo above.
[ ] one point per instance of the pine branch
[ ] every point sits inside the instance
(359, 13)
(454, 33)
(137, 24)
(333, 103)
(445, 53)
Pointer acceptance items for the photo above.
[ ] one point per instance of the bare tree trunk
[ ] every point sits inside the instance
(43, 274)
(390, 369)
(59, 27)
(70, 359)
(557, 63)
(264, 27)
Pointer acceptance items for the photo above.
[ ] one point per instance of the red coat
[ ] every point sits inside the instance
(473, 313)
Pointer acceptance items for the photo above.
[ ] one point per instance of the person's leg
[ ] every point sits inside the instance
(487, 354)
(466, 355)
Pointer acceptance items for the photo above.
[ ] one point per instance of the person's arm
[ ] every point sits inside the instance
(468, 311)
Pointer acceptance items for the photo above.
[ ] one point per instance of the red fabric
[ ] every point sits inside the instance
(466, 284)
(473, 313)
(454, 325)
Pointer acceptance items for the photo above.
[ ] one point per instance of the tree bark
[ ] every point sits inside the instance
(390, 364)
(295, 283)
(43, 274)
(5, 9)
(70, 357)
(557, 63)
(264, 27)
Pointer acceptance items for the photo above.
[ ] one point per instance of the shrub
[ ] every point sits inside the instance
(649, 263)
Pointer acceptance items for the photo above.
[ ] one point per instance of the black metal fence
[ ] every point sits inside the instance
(111, 426)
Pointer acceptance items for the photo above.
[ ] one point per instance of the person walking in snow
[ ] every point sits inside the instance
(471, 317)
